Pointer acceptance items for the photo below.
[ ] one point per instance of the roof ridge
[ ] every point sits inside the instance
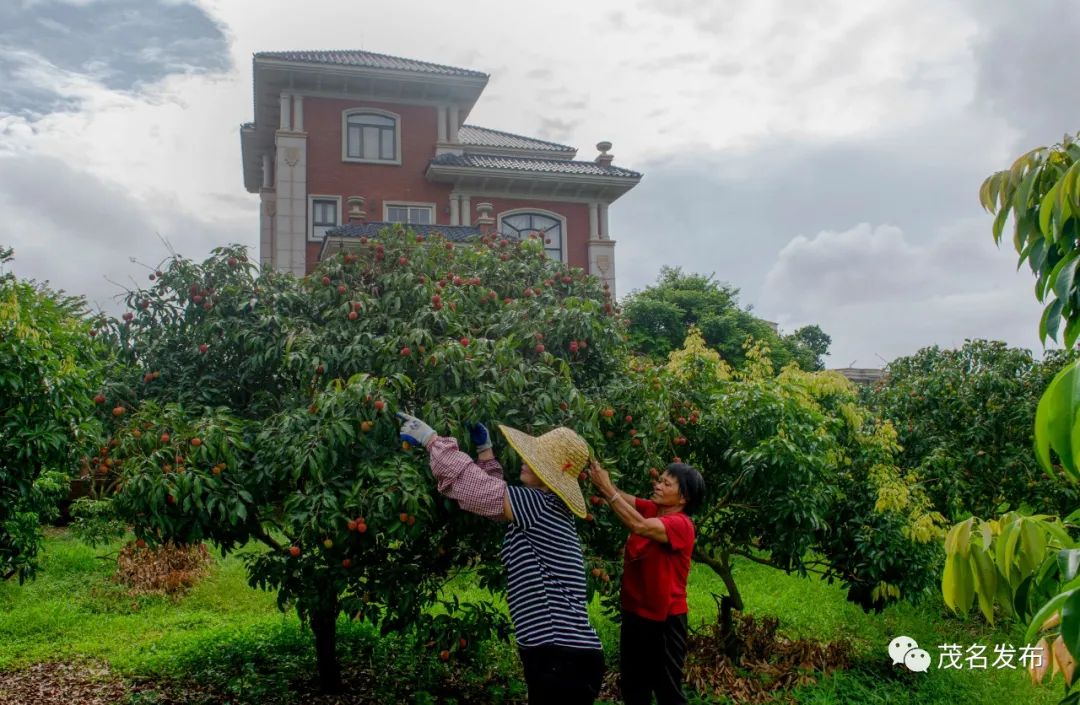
(292, 52)
(522, 137)
(608, 169)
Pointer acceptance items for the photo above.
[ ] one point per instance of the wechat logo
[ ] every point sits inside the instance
(904, 649)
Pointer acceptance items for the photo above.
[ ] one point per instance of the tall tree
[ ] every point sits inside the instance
(47, 376)
(660, 316)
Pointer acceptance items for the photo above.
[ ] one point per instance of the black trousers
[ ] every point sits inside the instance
(651, 660)
(558, 675)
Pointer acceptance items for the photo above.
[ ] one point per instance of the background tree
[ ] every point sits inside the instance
(809, 345)
(660, 315)
(48, 375)
(798, 475)
(964, 419)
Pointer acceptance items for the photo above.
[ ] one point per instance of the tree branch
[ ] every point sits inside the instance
(266, 538)
(752, 557)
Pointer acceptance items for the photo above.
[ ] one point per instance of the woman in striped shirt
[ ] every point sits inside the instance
(560, 652)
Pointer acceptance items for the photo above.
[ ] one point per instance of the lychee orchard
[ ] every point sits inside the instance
(252, 408)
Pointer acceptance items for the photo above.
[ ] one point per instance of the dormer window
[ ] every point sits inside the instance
(371, 136)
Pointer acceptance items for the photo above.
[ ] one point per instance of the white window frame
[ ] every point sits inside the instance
(387, 205)
(372, 111)
(312, 237)
(544, 212)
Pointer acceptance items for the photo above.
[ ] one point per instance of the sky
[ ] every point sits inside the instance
(824, 158)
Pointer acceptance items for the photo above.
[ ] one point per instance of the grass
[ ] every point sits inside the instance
(73, 611)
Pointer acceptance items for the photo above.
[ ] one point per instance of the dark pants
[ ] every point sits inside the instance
(557, 675)
(651, 660)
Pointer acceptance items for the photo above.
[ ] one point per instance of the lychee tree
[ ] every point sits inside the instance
(259, 408)
(48, 378)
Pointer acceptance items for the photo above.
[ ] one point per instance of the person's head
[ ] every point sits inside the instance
(529, 479)
(680, 484)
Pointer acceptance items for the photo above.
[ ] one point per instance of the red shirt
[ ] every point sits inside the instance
(654, 573)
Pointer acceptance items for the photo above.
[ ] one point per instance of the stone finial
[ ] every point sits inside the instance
(604, 158)
(485, 221)
(356, 213)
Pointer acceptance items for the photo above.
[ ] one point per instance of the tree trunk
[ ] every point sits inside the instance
(324, 627)
(727, 604)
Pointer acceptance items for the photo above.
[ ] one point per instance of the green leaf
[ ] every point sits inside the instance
(986, 579)
(1070, 623)
(1051, 320)
(1069, 563)
(1032, 547)
(1065, 275)
(1044, 614)
(957, 583)
(1046, 210)
(999, 224)
(1056, 420)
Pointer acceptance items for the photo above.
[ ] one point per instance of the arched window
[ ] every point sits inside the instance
(522, 224)
(372, 136)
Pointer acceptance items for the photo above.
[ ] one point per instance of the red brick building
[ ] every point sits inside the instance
(346, 142)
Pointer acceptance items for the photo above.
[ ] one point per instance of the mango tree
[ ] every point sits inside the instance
(1031, 569)
(48, 377)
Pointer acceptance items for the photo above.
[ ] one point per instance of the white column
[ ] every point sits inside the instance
(454, 212)
(290, 216)
(267, 174)
(298, 103)
(604, 234)
(454, 124)
(442, 123)
(286, 110)
(466, 211)
(594, 222)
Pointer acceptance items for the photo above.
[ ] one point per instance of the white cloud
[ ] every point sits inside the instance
(880, 295)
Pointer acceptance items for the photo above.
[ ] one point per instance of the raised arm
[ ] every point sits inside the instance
(478, 487)
(624, 506)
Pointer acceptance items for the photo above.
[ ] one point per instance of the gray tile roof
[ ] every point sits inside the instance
(367, 59)
(485, 137)
(372, 229)
(551, 166)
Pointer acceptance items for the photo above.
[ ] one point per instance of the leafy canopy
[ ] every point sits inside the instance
(48, 375)
(660, 316)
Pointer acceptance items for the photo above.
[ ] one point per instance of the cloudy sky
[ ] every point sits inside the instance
(823, 157)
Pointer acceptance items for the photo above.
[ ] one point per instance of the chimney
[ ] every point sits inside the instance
(356, 213)
(604, 159)
(484, 220)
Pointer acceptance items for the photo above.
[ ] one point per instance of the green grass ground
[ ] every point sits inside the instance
(73, 611)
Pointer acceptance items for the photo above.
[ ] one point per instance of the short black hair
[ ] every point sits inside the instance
(691, 485)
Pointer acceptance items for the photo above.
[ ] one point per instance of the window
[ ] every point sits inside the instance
(372, 137)
(407, 213)
(324, 216)
(550, 228)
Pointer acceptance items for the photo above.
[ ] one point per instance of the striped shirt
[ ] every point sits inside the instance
(541, 550)
(545, 573)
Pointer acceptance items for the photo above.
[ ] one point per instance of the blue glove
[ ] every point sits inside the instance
(415, 431)
(480, 437)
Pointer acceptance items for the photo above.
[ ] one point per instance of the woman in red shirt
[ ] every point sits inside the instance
(656, 564)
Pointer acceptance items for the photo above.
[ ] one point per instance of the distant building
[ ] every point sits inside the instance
(862, 375)
(345, 142)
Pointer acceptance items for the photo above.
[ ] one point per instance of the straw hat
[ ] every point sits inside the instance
(556, 458)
